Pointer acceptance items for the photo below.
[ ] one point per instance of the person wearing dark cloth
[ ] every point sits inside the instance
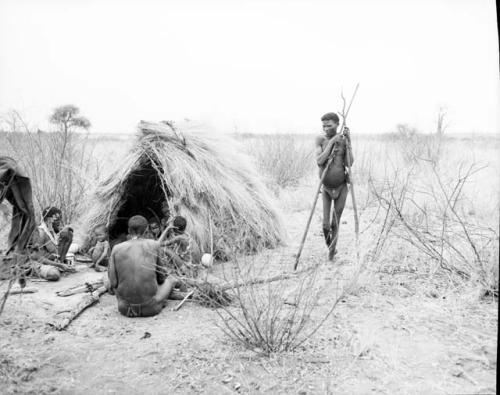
(137, 275)
(334, 189)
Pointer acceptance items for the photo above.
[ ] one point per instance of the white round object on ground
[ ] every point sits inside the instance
(207, 260)
(73, 248)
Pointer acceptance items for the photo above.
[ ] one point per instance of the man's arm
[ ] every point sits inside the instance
(322, 155)
(45, 245)
(104, 254)
(113, 278)
(174, 240)
(161, 267)
(38, 253)
(172, 255)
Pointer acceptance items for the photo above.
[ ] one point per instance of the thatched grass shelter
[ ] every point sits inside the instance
(203, 178)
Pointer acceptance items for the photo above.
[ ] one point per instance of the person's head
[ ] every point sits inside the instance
(100, 232)
(51, 215)
(179, 224)
(154, 227)
(137, 225)
(165, 209)
(330, 123)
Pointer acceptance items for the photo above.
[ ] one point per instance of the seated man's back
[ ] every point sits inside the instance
(137, 275)
(135, 264)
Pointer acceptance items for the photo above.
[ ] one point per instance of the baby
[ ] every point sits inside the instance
(100, 252)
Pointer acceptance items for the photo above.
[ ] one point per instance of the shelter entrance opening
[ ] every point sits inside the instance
(143, 195)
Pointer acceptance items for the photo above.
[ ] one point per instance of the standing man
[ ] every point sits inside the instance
(335, 182)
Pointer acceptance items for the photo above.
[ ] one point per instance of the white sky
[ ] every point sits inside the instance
(260, 66)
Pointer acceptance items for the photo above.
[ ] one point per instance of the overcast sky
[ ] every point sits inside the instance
(255, 66)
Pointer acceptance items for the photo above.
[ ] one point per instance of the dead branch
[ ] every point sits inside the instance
(20, 291)
(60, 324)
(87, 287)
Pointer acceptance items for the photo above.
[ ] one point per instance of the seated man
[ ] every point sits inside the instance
(137, 275)
(63, 234)
(46, 246)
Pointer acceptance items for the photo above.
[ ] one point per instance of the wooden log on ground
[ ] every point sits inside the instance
(88, 300)
(27, 290)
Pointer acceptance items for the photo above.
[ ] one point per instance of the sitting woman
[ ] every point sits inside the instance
(48, 248)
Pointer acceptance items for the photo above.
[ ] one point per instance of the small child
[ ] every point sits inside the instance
(179, 243)
(154, 229)
(100, 251)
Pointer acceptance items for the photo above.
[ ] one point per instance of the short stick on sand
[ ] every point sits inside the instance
(183, 301)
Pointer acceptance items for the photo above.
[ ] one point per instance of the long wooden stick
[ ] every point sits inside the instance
(323, 175)
(353, 196)
(349, 172)
(20, 291)
(308, 224)
(254, 281)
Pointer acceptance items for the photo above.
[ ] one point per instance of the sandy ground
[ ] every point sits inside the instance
(388, 336)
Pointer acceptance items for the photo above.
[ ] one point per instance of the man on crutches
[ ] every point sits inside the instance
(333, 153)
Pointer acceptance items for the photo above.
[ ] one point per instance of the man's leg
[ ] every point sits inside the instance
(49, 273)
(338, 208)
(65, 240)
(327, 207)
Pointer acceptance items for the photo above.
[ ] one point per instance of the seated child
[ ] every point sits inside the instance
(100, 252)
(178, 243)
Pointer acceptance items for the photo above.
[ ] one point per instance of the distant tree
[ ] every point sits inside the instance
(405, 131)
(67, 118)
(441, 124)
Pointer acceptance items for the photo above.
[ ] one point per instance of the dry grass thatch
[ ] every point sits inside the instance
(205, 179)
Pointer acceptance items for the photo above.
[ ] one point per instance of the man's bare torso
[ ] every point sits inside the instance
(135, 263)
(336, 172)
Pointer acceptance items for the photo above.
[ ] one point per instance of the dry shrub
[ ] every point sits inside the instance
(271, 317)
(59, 164)
(283, 158)
(426, 208)
(273, 312)
(415, 146)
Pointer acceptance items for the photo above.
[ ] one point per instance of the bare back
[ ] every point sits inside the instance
(135, 270)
